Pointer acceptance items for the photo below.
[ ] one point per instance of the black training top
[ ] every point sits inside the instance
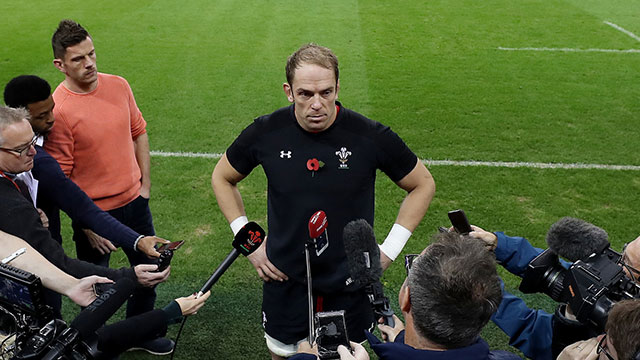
(350, 152)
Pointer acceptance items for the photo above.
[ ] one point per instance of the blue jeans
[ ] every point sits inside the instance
(137, 216)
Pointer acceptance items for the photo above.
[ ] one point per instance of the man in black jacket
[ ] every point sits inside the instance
(20, 218)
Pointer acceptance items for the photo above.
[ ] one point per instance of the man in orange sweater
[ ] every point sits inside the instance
(101, 143)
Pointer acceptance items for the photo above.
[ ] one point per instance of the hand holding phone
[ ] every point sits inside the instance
(170, 246)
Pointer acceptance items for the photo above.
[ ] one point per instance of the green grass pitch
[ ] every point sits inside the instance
(452, 78)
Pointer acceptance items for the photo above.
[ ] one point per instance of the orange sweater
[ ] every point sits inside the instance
(92, 139)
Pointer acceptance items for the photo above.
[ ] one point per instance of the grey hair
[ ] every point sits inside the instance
(454, 290)
(9, 116)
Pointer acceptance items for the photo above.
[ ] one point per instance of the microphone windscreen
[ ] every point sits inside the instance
(102, 308)
(575, 239)
(249, 238)
(363, 254)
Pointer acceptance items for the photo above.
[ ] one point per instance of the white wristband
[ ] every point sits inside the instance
(395, 241)
(135, 244)
(238, 223)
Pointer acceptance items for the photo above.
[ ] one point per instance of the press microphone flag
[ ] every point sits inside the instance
(246, 241)
(318, 231)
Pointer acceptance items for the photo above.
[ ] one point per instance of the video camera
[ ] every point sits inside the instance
(22, 309)
(590, 286)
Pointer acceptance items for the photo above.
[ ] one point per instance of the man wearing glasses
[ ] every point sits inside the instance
(621, 341)
(18, 216)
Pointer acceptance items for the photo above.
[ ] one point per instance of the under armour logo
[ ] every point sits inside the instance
(283, 154)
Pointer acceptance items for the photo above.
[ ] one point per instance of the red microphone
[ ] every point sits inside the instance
(318, 231)
(246, 241)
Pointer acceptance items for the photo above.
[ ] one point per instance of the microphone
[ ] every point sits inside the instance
(318, 231)
(575, 239)
(92, 317)
(363, 259)
(319, 237)
(246, 241)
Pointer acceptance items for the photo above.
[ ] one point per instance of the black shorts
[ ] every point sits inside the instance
(285, 315)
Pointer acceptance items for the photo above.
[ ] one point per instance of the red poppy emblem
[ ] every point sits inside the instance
(313, 164)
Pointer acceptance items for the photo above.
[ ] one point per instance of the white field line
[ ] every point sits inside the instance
(428, 162)
(627, 51)
(617, 27)
(620, 28)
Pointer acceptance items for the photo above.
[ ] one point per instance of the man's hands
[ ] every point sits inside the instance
(581, 350)
(99, 243)
(147, 245)
(359, 352)
(43, 218)
(389, 333)
(148, 277)
(385, 261)
(266, 270)
(82, 293)
(190, 305)
(490, 239)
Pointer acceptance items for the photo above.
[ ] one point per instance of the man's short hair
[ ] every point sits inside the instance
(9, 116)
(26, 89)
(68, 33)
(623, 328)
(311, 54)
(454, 290)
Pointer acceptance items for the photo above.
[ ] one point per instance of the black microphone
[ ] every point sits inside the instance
(575, 239)
(92, 317)
(246, 241)
(363, 259)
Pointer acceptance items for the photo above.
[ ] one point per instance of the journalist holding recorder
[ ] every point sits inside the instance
(451, 290)
(19, 217)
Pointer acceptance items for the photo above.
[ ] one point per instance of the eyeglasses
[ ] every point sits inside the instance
(24, 149)
(602, 348)
(408, 261)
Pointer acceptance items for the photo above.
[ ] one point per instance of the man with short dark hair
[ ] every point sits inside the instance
(101, 143)
(450, 293)
(317, 155)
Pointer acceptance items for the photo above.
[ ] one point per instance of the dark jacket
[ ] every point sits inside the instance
(18, 217)
(398, 350)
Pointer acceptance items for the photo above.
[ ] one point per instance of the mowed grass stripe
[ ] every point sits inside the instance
(428, 162)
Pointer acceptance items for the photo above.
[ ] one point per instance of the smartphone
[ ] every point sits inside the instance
(331, 332)
(459, 221)
(170, 246)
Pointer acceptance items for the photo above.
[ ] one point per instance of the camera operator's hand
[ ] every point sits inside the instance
(359, 352)
(582, 350)
(83, 292)
(266, 270)
(490, 239)
(147, 245)
(389, 333)
(190, 305)
(148, 277)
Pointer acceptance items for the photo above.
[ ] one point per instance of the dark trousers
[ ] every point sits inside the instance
(137, 216)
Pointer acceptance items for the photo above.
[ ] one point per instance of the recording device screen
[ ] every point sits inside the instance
(20, 288)
(331, 331)
(171, 246)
